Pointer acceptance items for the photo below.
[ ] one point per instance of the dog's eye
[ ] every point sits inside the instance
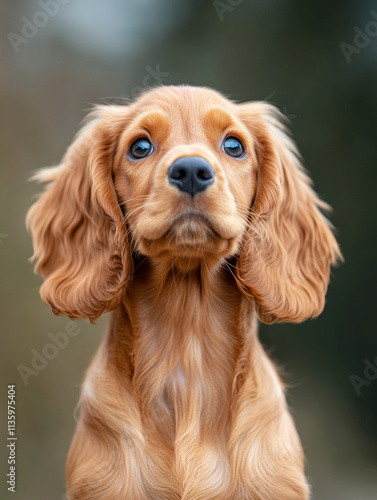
(141, 148)
(233, 147)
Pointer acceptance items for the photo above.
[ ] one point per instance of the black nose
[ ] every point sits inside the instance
(191, 174)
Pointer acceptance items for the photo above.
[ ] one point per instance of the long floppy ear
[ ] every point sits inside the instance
(79, 236)
(289, 247)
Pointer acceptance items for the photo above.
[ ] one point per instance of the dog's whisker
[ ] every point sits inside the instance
(139, 208)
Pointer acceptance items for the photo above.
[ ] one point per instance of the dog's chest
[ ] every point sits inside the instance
(185, 378)
(185, 351)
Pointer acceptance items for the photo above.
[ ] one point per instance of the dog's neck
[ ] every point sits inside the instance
(185, 332)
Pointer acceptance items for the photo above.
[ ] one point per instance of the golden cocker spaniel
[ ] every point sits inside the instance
(189, 216)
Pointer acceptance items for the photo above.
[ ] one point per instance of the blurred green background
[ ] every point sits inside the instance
(288, 52)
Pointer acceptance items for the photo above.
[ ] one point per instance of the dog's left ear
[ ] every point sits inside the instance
(289, 247)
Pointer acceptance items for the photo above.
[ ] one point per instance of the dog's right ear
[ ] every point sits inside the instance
(79, 235)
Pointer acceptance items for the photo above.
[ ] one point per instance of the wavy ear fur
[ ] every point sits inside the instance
(79, 236)
(287, 252)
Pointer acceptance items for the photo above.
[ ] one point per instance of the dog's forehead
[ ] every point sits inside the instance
(193, 109)
(183, 101)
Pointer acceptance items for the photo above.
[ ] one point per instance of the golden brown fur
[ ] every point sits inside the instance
(181, 401)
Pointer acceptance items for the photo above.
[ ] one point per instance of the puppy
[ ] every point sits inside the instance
(189, 217)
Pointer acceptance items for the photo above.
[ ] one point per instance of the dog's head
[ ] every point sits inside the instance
(182, 175)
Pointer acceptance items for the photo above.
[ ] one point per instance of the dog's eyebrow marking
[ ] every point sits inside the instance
(217, 117)
(152, 120)
(216, 121)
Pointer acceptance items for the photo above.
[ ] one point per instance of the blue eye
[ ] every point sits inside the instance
(233, 147)
(141, 148)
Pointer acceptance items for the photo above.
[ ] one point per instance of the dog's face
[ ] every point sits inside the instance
(185, 173)
(182, 174)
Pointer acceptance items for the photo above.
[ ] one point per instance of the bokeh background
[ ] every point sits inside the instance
(291, 53)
